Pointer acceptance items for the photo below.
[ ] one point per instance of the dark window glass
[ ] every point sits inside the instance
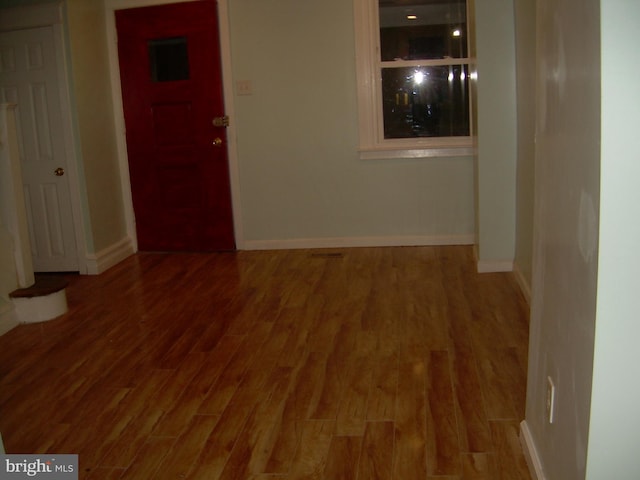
(169, 59)
(420, 30)
(426, 101)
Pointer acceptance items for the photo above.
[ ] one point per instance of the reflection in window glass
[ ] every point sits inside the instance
(426, 101)
(169, 59)
(422, 29)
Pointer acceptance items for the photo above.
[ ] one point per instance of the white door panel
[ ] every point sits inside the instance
(29, 78)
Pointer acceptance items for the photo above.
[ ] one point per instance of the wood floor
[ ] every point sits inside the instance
(371, 363)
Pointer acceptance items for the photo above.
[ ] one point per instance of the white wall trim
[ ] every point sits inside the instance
(525, 287)
(492, 266)
(229, 106)
(106, 258)
(348, 242)
(531, 453)
(13, 215)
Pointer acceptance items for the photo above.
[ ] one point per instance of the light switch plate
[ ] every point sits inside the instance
(243, 87)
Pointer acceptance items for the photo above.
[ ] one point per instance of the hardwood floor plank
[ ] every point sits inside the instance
(352, 411)
(286, 433)
(132, 438)
(480, 466)
(267, 476)
(189, 402)
(343, 458)
(102, 418)
(178, 381)
(105, 433)
(105, 473)
(188, 447)
(310, 458)
(367, 363)
(230, 380)
(219, 445)
(308, 387)
(151, 384)
(410, 457)
(376, 459)
(443, 451)
(148, 460)
(216, 317)
(331, 381)
(510, 459)
(287, 438)
(253, 447)
(503, 384)
(384, 387)
(182, 343)
(473, 427)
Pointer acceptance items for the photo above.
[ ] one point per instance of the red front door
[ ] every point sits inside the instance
(172, 92)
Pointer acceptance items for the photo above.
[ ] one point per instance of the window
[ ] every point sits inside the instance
(413, 70)
(169, 59)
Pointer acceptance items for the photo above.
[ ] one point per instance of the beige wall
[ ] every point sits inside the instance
(565, 266)
(91, 92)
(496, 164)
(584, 323)
(614, 428)
(525, 15)
(15, 254)
(300, 174)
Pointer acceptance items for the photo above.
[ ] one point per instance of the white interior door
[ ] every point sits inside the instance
(29, 77)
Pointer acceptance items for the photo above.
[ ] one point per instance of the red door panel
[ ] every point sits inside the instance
(172, 90)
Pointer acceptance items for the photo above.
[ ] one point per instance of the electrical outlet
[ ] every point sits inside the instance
(551, 399)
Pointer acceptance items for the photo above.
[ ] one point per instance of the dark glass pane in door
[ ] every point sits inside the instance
(169, 59)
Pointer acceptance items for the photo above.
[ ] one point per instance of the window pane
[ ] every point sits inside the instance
(439, 29)
(169, 59)
(426, 101)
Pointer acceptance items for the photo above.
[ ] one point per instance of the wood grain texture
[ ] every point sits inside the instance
(364, 364)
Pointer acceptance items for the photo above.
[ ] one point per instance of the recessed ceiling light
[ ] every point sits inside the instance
(456, 32)
(412, 17)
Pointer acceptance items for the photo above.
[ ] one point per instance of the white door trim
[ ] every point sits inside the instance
(225, 53)
(44, 15)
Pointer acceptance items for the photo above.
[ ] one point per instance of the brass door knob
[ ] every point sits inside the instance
(217, 142)
(58, 172)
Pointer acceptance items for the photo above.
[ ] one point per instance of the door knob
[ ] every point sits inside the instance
(58, 172)
(217, 142)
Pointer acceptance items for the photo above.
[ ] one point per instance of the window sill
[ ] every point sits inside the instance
(378, 153)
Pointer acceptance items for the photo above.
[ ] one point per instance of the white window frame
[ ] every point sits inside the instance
(372, 144)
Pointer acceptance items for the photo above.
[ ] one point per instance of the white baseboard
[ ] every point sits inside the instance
(523, 282)
(490, 266)
(531, 453)
(108, 257)
(349, 242)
